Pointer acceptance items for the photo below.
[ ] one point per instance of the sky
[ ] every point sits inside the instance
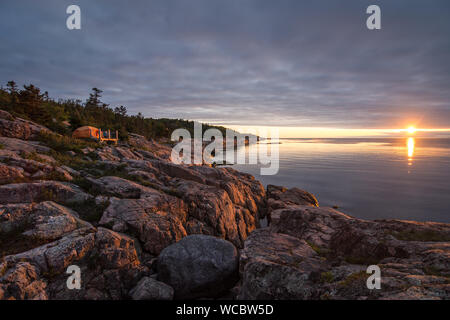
(309, 68)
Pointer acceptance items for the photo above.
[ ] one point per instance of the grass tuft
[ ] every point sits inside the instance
(326, 277)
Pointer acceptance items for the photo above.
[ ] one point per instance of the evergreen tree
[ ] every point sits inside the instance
(121, 111)
(13, 94)
(94, 98)
(31, 102)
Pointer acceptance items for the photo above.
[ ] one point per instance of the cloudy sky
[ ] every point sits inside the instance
(279, 63)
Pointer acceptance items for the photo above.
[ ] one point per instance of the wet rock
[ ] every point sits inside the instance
(199, 266)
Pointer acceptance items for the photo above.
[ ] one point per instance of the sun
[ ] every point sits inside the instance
(411, 130)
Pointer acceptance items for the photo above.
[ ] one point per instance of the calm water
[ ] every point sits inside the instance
(406, 178)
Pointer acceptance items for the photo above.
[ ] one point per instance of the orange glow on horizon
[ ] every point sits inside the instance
(323, 132)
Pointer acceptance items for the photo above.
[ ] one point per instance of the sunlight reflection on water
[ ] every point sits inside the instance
(368, 178)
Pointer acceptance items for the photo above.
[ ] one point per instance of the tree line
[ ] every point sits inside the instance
(65, 115)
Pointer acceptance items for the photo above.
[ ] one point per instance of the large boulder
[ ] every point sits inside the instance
(278, 266)
(199, 266)
(156, 220)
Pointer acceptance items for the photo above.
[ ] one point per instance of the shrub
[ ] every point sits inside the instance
(75, 162)
(358, 277)
(320, 251)
(32, 156)
(326, 277)
(64, 143)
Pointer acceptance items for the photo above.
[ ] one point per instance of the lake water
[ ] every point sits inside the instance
(407, 178)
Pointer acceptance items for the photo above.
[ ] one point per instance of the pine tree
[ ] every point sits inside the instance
(14, 99)
(94, 98)
(31, 102)
(121, 111)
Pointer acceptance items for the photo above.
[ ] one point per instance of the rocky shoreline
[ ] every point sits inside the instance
(141, 227)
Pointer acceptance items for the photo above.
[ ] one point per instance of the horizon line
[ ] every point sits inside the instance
(323, 132)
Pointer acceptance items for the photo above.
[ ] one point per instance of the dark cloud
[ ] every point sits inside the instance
(252, 62)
